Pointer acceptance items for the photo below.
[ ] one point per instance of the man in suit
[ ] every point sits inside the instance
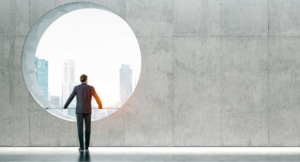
(83, 93)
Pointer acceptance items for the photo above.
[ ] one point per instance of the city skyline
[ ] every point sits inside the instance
(68, 84)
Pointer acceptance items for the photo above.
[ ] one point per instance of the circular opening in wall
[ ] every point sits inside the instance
(76, 39)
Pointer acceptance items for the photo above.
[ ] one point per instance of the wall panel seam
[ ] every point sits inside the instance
(173, 60)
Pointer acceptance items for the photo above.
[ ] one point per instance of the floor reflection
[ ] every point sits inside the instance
(151, 154)
(133, 157)
(84, 156)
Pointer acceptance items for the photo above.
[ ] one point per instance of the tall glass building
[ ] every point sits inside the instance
(125, 83)
(41, 71)
(68, 86)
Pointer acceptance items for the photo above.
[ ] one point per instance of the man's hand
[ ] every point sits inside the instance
(100, 107)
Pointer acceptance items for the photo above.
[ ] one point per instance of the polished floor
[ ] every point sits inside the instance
(211, 154)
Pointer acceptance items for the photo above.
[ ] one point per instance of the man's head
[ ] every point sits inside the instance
(83, 78)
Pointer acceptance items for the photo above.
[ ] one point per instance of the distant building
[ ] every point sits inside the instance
(96, 114)
(95, 110)
(69, 71)
(115, 104)
(101, 114)
(68, 86)
(41, 71)
(49, 96)
(125, 83)
(55, 100)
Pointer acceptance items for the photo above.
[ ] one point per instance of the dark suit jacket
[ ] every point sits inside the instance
(84, 95)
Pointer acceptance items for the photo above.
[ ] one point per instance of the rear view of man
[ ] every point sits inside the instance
(83, 93)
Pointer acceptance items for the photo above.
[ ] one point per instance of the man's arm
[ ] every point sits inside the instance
(97, 98)
(70, 98)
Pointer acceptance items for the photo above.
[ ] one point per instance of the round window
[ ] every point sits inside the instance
(76, 39)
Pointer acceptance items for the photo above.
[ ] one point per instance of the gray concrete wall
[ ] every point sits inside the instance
(214, 73)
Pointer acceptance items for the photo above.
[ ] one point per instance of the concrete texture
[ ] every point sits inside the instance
(214, 73)
(196, 18)
(14, 105)
(283, 18)
(154, 18)
(244, 119)
(283, 88)
(197, 115)
(14, 18)
(149, 121)
(244, 18)
(243, 73)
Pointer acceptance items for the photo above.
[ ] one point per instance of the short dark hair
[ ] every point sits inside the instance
(83, 78)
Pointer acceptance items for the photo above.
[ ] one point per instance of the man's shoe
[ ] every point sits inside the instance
(81, 149)
(86, 149)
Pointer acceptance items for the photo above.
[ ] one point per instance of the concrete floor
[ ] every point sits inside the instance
(215, 154)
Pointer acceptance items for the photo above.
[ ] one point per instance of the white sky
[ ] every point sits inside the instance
(99, 42)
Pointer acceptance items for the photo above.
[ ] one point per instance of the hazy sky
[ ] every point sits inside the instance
(99, 42)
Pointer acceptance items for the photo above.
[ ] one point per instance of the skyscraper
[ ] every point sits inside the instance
(69, 71)
(41, 71)
(125, 83)
(68, 85)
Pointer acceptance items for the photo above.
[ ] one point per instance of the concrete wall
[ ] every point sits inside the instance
(214, 73)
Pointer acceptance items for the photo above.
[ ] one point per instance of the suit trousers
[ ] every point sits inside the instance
(87, 120)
